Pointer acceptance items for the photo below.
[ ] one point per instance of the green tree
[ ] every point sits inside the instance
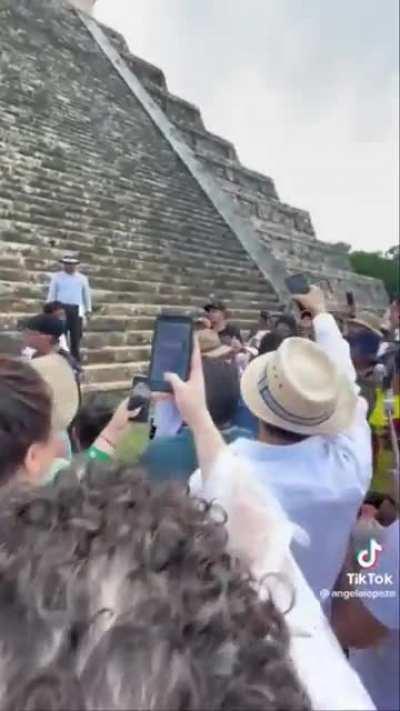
(385, 266)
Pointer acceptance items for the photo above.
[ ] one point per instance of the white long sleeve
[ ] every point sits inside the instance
(52, 293)
(261, 534)
(71, 289)
(328, 336)
(86, 295)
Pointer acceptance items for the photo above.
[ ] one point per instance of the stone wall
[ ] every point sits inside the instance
(84, 168)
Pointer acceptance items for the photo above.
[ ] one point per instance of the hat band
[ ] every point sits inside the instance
(284, 414)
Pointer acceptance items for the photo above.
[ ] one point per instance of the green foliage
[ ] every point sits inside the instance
(385, 266)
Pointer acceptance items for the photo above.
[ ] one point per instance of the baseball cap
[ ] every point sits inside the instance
(44, 323)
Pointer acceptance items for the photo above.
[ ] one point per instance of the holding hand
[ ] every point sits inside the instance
(190, 396)
(313, 301)
(119, 423)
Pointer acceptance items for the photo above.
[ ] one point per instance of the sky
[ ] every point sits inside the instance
(307, 90)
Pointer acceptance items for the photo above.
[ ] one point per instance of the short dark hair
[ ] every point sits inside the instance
(52, 306)
(25, 414)
(286, 435)
(117, 594)
(93, 416)
(45, 324)
(270, 342)
(215, 306)
(289, 321)
(222, 390)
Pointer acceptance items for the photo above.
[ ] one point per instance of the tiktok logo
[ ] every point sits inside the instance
(367, 557)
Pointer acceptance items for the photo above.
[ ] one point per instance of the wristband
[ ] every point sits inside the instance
(95, 453)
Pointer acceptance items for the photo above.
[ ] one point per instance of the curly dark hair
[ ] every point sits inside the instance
(119, 594)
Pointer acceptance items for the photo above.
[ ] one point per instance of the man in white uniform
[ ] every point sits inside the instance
(314, 447)
(72, 289)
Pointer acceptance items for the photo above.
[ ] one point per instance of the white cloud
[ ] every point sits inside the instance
(308, 93)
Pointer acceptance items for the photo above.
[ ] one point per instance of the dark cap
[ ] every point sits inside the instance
(215, 306)
(265, 314)
(44, 323)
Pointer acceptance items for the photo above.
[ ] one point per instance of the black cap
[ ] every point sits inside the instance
(215, 306)
(264, 313)
(44, 323)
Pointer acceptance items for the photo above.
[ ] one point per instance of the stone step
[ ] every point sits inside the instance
(94, 208)
(250, 292)
(233, 278)
(48, 244)
(147, 228)
(18, 261)
(116, 354)
(157, 294)
(118, 388)
(125, 242)
(113, 372)
(139, 252)
(104, 325)
(102, 331)
(174, 301)
(97, 341)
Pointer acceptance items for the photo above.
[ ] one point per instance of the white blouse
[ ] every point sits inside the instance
(261, 534)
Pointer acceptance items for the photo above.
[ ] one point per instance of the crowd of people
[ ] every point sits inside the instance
(240, 550)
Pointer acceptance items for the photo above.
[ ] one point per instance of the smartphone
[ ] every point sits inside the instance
(171, 350)
(140, 397)
(297, 284)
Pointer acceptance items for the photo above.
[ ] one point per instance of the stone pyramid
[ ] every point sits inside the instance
(99, 158)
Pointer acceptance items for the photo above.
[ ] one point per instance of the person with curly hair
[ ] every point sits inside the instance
(119, 595)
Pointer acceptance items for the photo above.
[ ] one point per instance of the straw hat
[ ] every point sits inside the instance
(298, 388)
(59, 376)
(369, 321)
(211, 346)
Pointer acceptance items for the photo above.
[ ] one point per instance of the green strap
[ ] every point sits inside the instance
(94, 453)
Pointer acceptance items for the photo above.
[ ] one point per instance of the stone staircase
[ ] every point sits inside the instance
(129, 293)
(161, 211)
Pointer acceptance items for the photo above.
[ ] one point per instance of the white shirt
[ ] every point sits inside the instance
(378, 666)
(260, 533)
(319, 482)
(72, 289)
